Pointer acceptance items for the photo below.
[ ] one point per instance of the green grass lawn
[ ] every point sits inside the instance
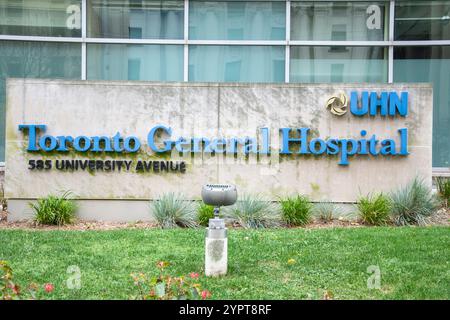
(414, 262)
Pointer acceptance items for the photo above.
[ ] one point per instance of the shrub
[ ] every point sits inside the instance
(255, 212)
(171, 211)
(326, 211)
(443, 187)
(413, 204)
(166, 287)
(296, 211)
(374, 209)
(54, 210)
(205, 212)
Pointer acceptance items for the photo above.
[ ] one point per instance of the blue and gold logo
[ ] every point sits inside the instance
(338, 105)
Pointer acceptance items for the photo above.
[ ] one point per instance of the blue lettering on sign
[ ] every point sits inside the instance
(343, 147)
(32, 133)
(385, 103)
(293, 140)
(49, 143)
(302, 144)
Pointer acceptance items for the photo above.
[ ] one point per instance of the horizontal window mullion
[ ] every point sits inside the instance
(226, 42)
(135, 41)
(239, 42)
(413, 43)
(339, 43)
(39, 38)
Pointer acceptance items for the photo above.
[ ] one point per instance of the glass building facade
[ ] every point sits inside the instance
(232, 41)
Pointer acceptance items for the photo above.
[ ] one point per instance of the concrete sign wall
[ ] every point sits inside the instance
(104, 140)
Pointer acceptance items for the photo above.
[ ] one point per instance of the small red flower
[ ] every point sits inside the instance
(48, 287)
(16, 289)
(205, 294)
(194, 275)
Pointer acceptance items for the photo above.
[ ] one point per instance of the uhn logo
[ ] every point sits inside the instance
(387, 103)
(372, 103)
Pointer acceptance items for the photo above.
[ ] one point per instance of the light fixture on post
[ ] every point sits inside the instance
(216, 242)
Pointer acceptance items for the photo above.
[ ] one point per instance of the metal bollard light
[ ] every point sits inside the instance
(216, 241)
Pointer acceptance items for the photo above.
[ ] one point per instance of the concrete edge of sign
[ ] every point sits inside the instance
(112, 210)
(18, 81)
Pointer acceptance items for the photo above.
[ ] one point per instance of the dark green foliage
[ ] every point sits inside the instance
(296, 211)
(443, 187)
(204, 213)
(374, 209)
(54, 210)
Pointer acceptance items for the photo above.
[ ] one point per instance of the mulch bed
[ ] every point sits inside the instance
(80, 225)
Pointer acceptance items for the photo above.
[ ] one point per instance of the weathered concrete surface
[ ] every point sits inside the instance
(321, 177)
(98, 108)
(210, 110)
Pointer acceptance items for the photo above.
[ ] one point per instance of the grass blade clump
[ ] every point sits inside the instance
(443, 187)
(204, 213)
(326, 211)
(254, 212)
(54, 210)
(374, 209)
(296, 211)
(413, 204)
(171, 211)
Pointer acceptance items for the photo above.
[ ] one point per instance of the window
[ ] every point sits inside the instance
(338, 64)
(41, 18)
(422, 20)
(338, 20)
(430, 64)
(236, 63)
(135, 62)
(237, 20)
(35, 60)
(146, 19)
